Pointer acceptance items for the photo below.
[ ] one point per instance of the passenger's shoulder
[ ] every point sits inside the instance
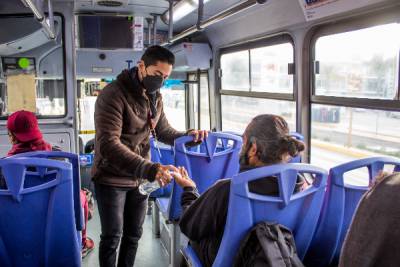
(111, 92)
(222, 185)
(111, 88)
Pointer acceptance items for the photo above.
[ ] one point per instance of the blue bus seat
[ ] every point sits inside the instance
(205, 165)
(204, 168)
(225, 143)
(340, 203)
(299, 212)
(86, 160)
(37, 226)
(163, 154)
(74, 160)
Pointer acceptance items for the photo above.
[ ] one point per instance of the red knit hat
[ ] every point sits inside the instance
(24, 125)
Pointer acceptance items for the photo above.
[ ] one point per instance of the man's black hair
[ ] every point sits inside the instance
(157, 53)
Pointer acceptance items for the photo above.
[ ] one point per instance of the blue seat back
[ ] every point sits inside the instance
(340, 203)
(299, 212)
(205, 168)
(299, 137)
(74, 160)
(163, 154)
(166, 154)
(37, 225)
(224, 143)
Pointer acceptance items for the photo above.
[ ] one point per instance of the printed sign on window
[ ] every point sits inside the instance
(21, 93)
(138, 34)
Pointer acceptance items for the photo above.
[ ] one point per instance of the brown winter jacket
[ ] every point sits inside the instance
(122, 133)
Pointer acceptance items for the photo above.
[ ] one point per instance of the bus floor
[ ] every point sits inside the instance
(150, 252)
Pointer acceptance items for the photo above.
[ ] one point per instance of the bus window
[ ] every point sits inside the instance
(237, 111)
(204, 101)
(174, 105)
(362, 63)
(342, 134)
(263, 72)
(270, 69)
(32, 68)
(235, 71)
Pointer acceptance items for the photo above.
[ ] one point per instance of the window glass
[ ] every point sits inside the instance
(237, 111)
(235, 71)
(343, 134)
(204, 102)
(195, 92)
(362, 63)
(174, 105)
(270, 68)
(31, 68)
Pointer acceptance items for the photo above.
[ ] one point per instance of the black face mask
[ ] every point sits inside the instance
(152, 83)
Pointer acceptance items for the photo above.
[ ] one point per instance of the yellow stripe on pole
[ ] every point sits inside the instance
(87, 132)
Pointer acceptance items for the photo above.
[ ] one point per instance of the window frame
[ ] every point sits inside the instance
(354, 102)
(276, 39)
(62, 31)
(335, 27)
(197, 75)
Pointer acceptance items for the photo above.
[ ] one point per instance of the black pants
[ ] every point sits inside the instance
(122, 212)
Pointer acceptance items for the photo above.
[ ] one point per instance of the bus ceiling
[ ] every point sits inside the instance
(178, 16)
(201, 24)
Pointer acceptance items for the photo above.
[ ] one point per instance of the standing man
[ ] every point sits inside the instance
(127, 111)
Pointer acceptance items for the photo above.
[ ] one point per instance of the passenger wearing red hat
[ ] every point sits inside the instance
(24, 133)
(25, 136)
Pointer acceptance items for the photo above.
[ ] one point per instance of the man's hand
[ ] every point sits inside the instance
(182, 178)
(198, 135)
(163, 176)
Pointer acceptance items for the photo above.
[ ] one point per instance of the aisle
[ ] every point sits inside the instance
(150, 252)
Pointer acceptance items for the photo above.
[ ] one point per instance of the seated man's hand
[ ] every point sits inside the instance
(163, 176)
(198, 135)
(182, 178)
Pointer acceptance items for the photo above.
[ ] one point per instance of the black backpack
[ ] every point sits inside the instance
(268, 244)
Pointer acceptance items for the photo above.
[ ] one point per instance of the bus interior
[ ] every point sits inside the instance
(330, 68)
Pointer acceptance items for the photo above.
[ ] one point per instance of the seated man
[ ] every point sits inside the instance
(266, 141)
(374, 235)
(25, 136)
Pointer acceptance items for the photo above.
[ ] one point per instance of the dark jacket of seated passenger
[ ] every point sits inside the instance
(373, 239)
(204, 217)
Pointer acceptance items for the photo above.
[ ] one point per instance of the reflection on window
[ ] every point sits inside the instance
(235, 71)
(362, 63)
(32, 68)
(237, 111)
(342, 134)
(269, 68)
(174, 106)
